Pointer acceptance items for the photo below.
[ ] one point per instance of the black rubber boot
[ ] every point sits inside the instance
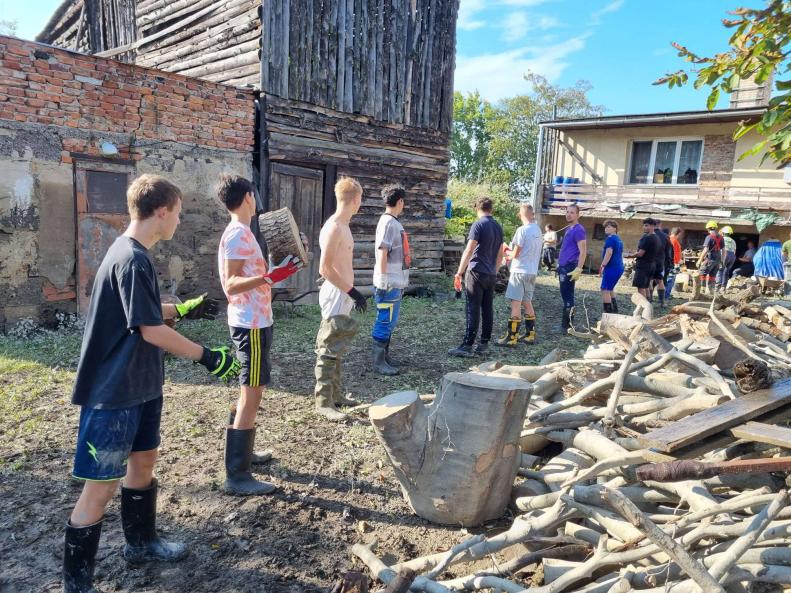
(239, 481)
(614, 304)
(259, 457)
(138, 517)
(388, 359)
(565, 322)
(481, 349)
(608, 308)
(378, 356)
(79, 558)
(529, 337)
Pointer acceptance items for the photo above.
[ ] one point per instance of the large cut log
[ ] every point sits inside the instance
(281, 234)
(457, 458)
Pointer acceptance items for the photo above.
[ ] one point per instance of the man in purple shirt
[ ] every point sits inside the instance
(570, 262)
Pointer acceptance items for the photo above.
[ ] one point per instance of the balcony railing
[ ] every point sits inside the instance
(688, 197)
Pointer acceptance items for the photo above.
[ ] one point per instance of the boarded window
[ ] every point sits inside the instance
(106, 192)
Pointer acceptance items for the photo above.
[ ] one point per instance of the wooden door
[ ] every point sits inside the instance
(301, 190)
(100, 193)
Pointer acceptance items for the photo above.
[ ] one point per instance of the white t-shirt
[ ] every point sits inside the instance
(528, 238)
(551, 238)
(251, 309)
(392, 239)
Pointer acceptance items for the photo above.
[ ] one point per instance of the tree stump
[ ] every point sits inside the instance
(457, 458)
(281, 234)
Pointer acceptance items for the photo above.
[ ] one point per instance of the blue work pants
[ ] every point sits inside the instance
(388, 307)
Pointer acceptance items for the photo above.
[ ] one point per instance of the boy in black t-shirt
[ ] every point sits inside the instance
(645, 257)
(119, 386)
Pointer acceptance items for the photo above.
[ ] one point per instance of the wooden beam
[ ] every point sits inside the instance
(159, 34)
(580, 161)
(698, 426)
(758, 432)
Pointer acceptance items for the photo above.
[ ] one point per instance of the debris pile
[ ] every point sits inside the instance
(654, 462)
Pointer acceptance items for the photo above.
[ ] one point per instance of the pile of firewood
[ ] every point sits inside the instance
(656, 461)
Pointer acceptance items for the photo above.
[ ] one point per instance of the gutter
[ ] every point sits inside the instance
(616, 121)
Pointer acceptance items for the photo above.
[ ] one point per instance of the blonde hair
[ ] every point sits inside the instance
(346, 189)
(525, 209)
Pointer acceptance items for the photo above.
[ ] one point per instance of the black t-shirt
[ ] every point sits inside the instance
(118, 369)
(714, 245)
(489, 235)
(664, 242)
(652, 246)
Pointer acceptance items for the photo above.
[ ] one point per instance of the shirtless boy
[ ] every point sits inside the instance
(337, 298)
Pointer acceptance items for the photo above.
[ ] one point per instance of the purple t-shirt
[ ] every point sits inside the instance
(569, 251)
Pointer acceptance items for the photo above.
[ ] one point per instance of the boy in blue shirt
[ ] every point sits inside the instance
(611, 266)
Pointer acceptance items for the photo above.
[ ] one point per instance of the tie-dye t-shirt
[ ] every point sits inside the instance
(251, 309)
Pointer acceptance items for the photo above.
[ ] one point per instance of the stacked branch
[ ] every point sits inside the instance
(655, 461)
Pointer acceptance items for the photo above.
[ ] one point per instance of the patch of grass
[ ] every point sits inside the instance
(29, 390)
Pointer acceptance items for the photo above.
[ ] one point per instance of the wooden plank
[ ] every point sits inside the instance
(758, 432)
(698, 426)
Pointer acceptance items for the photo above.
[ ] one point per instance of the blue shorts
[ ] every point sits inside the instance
(610, 277)
(106, 437)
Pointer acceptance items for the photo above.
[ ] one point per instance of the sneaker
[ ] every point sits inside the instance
(463, 351)
(481, 349)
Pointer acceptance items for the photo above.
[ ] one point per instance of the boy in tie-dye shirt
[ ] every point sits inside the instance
(247, 285)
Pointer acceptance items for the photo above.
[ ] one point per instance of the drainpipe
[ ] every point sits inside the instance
(537, 177)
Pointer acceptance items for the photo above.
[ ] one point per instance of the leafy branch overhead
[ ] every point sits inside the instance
(759, 50)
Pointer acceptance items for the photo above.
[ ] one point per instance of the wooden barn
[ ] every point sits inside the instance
(346, 87)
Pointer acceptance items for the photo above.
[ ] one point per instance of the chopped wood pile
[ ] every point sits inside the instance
(656, 461)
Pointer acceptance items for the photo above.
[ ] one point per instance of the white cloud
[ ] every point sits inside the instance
(524, 3)
(517, 24)
(468, 10)
(613, 6)
(501, 75)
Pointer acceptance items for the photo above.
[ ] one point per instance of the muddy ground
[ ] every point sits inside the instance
(335, 486)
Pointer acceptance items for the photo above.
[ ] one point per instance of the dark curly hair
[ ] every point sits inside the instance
(232, 189)
(392, 193)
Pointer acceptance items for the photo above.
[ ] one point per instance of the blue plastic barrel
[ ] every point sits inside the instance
(559, 180)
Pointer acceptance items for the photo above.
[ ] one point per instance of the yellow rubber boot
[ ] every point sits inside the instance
(511, 337)
(529, 337)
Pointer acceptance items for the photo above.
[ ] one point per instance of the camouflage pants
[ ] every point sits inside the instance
(332, 342)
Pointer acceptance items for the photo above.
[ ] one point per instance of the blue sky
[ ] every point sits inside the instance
(619, 46)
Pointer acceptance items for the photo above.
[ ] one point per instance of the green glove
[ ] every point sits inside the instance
(575, 274)
(198, 308)
(220, 362)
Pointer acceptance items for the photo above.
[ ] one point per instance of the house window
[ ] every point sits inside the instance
(666, 161)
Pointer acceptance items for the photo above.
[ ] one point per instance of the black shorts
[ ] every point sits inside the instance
(642, 277)
(252, 351)
(709, 267)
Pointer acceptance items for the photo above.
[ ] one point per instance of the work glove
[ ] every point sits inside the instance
(285, 269)
(220, 362)
(575, 274)
(198, 308)
(360, 304)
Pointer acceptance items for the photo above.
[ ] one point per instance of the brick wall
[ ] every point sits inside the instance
(42, 84)
(716, 168)
(56, 109)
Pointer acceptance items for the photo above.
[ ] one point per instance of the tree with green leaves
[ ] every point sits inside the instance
(497, 143)
(759, 49)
